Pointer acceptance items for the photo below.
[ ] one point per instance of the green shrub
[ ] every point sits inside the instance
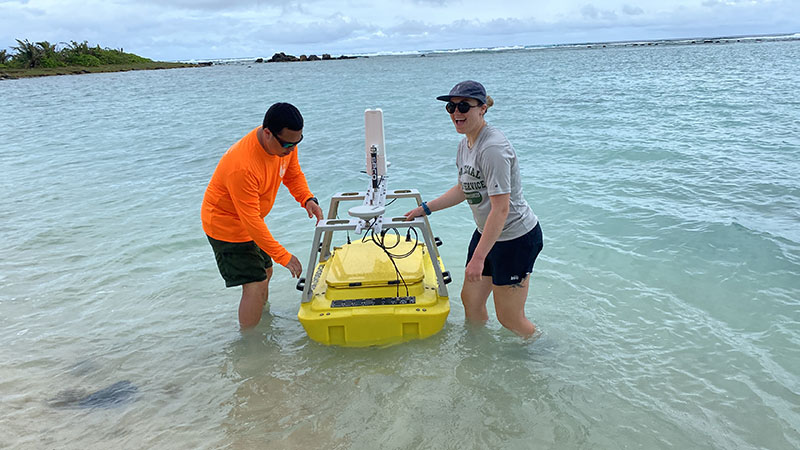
(83, 60)
(108, 56)
(50, 61)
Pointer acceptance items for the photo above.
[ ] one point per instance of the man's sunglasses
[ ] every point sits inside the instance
(463, 107)
(285, 144)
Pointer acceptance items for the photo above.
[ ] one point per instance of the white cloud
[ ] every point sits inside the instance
(632, 10)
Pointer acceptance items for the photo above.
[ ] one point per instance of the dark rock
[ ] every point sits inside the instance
(259, 60)
(116, 394)
(282, 57)
(207, 63)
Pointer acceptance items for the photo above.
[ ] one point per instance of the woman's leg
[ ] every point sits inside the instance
(474, 295)
(509, 303)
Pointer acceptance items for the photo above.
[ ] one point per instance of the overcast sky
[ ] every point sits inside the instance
(206, 29)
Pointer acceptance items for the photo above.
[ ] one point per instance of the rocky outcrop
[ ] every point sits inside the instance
(283, 57)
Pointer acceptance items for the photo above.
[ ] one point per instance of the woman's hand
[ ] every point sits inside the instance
(416, 212)
(474, 269)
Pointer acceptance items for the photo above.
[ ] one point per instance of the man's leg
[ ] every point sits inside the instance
(254, 297)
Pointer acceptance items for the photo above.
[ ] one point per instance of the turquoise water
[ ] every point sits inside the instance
(668, 292)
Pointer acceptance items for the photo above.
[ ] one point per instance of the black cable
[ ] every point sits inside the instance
(380, 241)
(346, 231)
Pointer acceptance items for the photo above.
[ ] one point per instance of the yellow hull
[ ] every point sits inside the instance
(357, 300)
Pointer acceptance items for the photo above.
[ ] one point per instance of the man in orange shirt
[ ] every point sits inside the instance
(241, 193)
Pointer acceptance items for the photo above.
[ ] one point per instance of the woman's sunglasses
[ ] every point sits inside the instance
(463, 107)
(285, 144)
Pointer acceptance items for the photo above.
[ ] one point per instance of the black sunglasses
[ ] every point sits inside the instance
(285, 144)
(463, 107)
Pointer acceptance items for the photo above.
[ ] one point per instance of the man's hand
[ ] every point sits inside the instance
(294, 266)
(314, 210)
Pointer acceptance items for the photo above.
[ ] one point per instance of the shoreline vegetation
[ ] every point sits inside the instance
(40, 59)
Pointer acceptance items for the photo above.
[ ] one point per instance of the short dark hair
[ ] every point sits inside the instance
(282, 115)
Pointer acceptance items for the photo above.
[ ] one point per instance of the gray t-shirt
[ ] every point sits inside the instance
(491, 167)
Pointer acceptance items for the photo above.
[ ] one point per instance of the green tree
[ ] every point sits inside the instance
(4, 56)
(28, 54)
(50, 55)
(47, 48)
(74, 49)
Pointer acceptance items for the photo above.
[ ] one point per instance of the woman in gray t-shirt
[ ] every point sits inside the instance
(508, 237)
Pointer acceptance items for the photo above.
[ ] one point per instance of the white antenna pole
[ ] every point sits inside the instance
(374, 202)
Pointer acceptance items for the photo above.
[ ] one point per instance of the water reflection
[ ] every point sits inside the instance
(466, 387)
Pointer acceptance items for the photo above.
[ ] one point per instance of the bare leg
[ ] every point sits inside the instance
(474, 295)
(254, 297)
(509, 303)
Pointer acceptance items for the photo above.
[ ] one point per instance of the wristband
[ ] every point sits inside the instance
(426, 209)
(312, 199)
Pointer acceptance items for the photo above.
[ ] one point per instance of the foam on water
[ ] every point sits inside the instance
(667, 292)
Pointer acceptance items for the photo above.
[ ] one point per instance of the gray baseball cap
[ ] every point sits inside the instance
(467, 89)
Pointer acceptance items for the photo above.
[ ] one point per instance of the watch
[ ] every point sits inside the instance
(312, 199)
(426, 209)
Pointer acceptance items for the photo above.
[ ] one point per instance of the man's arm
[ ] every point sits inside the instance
(244, 194)
(295, 180)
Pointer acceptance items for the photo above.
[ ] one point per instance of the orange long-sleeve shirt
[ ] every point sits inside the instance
(242, 191)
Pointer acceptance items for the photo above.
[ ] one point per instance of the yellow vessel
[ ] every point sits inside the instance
(357, 298)
(385, 288)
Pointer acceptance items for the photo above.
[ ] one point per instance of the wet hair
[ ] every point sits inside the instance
(282, 115)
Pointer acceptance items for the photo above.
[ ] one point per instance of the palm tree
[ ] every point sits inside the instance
(48, 49)
(4, 56)
(77, 48)
(30, 55)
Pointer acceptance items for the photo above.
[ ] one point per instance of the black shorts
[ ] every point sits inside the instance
(509, 262)
(240, 262)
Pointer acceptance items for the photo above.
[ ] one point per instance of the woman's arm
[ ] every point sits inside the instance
(450, 198)
(491, 231)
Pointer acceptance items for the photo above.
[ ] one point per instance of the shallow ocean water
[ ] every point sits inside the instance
(668, 291)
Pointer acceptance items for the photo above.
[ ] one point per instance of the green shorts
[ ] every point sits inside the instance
(240, 262)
